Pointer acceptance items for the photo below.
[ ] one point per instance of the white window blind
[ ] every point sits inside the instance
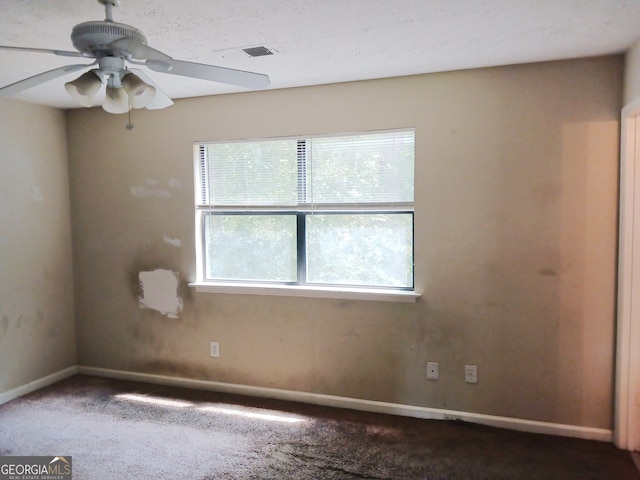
(347, 169)
(370, 168)
(256, 173)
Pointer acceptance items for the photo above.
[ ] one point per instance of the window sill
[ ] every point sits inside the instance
(371, 294)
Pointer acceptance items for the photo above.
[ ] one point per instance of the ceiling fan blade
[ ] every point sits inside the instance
(62, 53)
(31, 82)
(161, 100)
(240, 78)
(161, 62)
(132, 48)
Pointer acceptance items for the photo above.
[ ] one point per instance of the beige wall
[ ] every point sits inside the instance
(516, 185)
(37, 333)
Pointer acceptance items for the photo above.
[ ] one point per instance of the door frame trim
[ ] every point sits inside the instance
(627, 381)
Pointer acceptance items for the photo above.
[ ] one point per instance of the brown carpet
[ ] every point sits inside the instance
(117, 430)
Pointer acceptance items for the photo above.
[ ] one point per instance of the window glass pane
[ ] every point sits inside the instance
(252, 173)
(251, 247)
(360, 249)
(362, 168)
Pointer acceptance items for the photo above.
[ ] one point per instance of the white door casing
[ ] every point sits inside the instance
(627, 393)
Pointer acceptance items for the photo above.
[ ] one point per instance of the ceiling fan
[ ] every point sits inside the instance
(112, 45)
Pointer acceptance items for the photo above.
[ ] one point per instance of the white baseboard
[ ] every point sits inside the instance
(37, 384)
(531, 426)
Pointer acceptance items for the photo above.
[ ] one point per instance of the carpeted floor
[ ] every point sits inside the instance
(117, 430)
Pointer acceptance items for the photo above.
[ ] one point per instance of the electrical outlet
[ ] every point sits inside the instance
(215, 349)
(433, 370)
(471, 373)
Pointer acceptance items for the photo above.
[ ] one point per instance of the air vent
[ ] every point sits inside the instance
(260, 51)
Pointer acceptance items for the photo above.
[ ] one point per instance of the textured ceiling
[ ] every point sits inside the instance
(322, 41)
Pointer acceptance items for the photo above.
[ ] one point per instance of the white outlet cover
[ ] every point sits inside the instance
(471, 373)
(433, 370)
(215, 349)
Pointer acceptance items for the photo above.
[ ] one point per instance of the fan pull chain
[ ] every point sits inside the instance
(129, 125)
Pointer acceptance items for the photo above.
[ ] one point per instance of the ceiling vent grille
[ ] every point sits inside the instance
(260, 51)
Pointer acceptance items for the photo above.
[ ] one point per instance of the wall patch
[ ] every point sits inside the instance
(148, 192)
(159, 291)
(36, 194)
(176, 242)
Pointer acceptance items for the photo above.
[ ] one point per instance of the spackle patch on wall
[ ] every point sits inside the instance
(176, 242)
(159, 291)
(149, 192)
(36, 194)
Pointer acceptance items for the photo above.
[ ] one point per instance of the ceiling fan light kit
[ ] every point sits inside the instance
(140, 94)
(115, 100)
(84, 88)
(113, 45)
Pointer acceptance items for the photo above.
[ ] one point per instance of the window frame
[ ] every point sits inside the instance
(301, 287)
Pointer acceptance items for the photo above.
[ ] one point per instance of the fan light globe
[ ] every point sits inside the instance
(84, 88)
(116, 100)
(140, 94)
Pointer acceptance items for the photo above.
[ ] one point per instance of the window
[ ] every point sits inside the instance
(307, 212)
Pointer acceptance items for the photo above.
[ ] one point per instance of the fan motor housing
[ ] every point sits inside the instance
(95, 37)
